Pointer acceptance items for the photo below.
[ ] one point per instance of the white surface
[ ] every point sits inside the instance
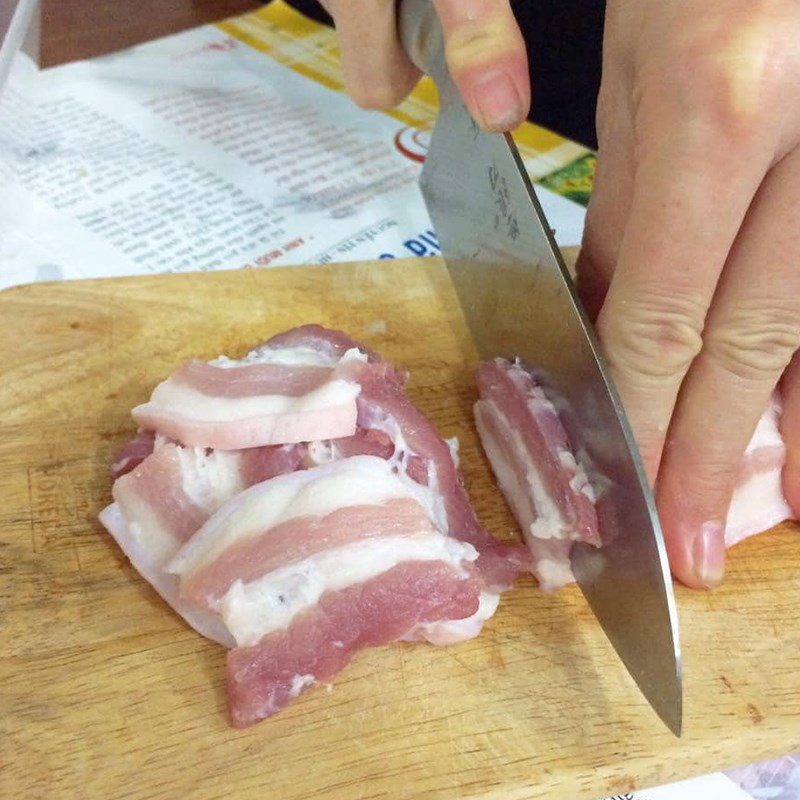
(15, 20)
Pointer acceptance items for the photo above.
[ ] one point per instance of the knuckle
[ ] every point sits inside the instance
(727, 73)
(734, 86)
(656, 336)
(754, 344)
(475, 43)
(711, 479)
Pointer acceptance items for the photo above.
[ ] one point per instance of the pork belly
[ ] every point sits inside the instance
(526, 444)
(269, 397)
(391, 427)
(263, 678)
(164, 500)
(299, 553)
(758, 502)
(132, 453)
(549, 493)
(280, 562)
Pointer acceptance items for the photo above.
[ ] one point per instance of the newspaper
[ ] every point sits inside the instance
(222, 147)
(769, 780)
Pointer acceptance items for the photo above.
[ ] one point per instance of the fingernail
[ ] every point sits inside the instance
(498, 101)
(708, 553)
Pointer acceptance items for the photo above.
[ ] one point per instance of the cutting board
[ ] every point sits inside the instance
(104, 692)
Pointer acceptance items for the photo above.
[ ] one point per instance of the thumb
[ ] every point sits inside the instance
(486, 56)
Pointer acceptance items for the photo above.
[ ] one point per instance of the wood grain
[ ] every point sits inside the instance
(75, 29)
(106, 693)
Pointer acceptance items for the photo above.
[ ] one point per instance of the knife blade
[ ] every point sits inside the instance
(519, 301)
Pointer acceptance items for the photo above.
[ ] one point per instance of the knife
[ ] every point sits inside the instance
(519, 301)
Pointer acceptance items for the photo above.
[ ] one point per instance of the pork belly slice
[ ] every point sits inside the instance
(164, 500)
(270, 397)
(303, 562)
(324, 343)
(429, 460)
(391, 427)
(549, 493)
(275, 549)
(132, 453)
(758, 502)
(527, 446)
(263, 678)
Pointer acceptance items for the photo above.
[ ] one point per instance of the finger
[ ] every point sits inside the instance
(790, 428)
(675, 243)
(611, 195)
(752, 331)
(377, 71)
(486, 56)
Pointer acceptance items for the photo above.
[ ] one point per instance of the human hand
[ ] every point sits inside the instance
(691, 254)
(484, 49)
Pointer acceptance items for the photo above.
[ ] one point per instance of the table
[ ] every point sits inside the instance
(75, 29)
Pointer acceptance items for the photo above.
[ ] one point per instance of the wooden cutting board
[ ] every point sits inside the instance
(104, 692)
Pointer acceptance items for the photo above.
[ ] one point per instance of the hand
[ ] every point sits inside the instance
(484, 48)
(691, 254)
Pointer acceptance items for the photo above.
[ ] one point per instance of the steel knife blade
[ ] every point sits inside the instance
(519, 302)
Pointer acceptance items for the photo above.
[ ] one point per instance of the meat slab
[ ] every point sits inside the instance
(549, 493)
(296, 507)
(309, 567)
(270, 397)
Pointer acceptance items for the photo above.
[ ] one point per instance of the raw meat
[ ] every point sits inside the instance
(391, 427)
(158, 506)
(299, 553)
(306, 533)
(132, 453)
(264, 678)
(303, 566)
(164, 500)
(527, 447)
(270, 397)
(549, 493)
(324, 342)
(758, 502)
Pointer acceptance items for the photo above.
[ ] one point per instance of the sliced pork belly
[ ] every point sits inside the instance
(274, 549)
(132, 453)
(344, 539)
(164, 500)
(322, 561)
(158, 506)
(326, 343)
(272, 396)
(758, 502)
(263, 678)
(391, 427)
(528, 449)
(428, 459)
(549, 493)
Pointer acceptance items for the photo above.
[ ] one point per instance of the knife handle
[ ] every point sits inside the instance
(422, 38)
